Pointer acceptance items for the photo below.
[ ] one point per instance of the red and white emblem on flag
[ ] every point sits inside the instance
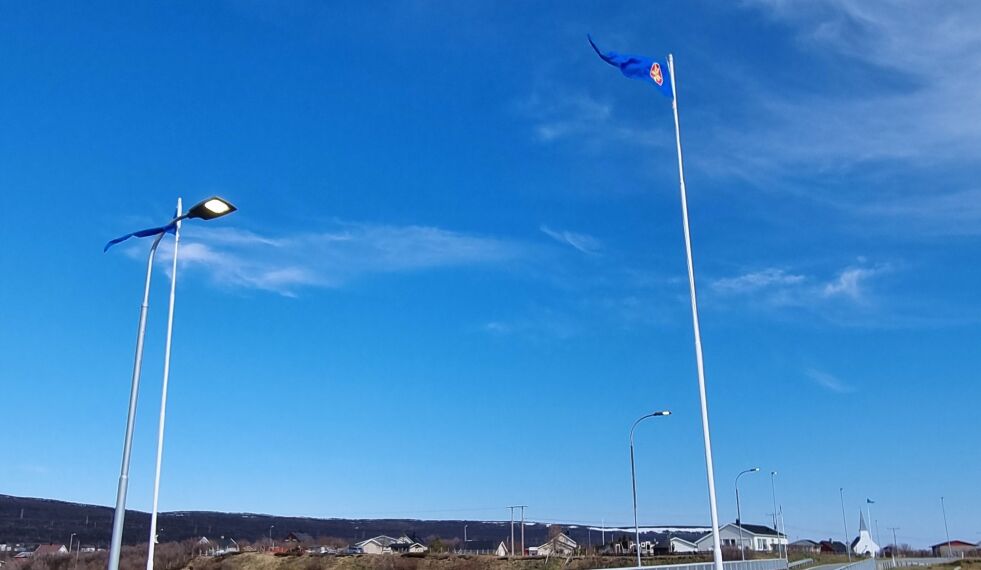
(656, 74)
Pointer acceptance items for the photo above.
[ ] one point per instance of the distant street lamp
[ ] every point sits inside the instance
(272, 544)
(633, 475)
(206, 210)
(776, 526)
(844, 522)
(70, 539)
(739, 516)
(943, 507)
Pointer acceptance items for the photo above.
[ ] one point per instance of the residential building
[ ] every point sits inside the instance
(804, 546)
(673, 545)
(383, 544)
(755, 537)
(957, 548)
(295, 538)
(833, 547)
(495, 547)
(50, 550)
(559, 545)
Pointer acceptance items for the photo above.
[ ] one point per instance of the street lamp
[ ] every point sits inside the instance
(739, 516)
(776, 526)
(844, 523)
(633, 475)
(207, 209)
(943, 507)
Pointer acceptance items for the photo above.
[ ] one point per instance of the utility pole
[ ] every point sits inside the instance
(512, 529)
(895, 544)
(523, 507)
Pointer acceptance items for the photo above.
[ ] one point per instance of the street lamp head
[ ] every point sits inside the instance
(663, 413)
(214, 207)
(755, 469)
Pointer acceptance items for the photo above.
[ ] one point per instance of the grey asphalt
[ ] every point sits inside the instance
(828, 566)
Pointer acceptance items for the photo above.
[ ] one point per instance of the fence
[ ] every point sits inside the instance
(766, 564)
(803, 562)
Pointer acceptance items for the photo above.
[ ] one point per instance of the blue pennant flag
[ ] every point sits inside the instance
(169, 228)
(639, 67)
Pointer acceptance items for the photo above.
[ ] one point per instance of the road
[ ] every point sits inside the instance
(829, 566)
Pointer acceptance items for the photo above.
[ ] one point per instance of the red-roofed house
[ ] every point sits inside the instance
(957, 548)
(50, 550)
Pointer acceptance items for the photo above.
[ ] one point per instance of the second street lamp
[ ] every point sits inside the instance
(739, 515)
(633, 476)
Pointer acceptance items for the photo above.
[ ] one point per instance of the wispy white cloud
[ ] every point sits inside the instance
(849, 282)
(756, 280)
(828, 381)
(776, 286)
(929, 51)
(577, 115)
(285, 264)
(583, 242)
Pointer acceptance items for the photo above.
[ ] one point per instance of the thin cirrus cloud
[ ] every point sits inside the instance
(779, 287)
(829, 382)
(286, 264)
(583, 242)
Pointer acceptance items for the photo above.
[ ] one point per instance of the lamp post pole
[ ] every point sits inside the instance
(633, 476)
(943, 507)
(844, 522)
(120, 513)
(776, 525)
(739, 515)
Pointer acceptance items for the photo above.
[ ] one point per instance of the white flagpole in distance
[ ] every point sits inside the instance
(710, 471)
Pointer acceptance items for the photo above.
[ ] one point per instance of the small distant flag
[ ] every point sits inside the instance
(639, 67)
(169, 228)
(870, 501)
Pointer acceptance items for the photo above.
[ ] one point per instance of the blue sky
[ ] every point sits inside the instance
(457, 274)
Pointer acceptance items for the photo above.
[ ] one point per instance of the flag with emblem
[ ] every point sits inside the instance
(639, 67)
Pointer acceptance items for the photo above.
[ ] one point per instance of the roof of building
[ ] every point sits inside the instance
(954, 543)
(803, 542)
(299, 537)
(382, 540)
(46, 549)
(760, 529)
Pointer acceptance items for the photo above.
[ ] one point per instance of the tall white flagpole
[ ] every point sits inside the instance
(709, 469)
(163, 397)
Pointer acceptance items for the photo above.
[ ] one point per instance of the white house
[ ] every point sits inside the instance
(560, 545)
(381, 544)
(678, 544)
(864, 545)
(755, 537)
(386, 545)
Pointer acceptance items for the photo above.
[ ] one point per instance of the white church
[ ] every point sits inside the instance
(864, 545)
